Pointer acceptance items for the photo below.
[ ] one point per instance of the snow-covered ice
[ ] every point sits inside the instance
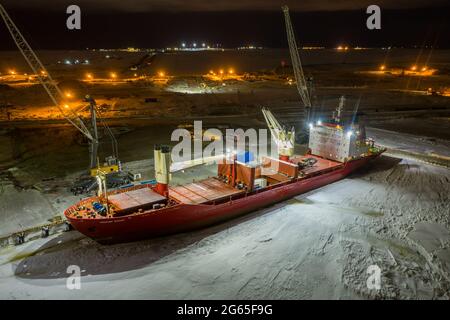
(318, 245)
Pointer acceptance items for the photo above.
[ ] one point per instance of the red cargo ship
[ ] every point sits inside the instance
(145, 211)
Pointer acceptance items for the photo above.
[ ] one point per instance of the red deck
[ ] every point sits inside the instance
(203, 191)
(134, 199)
(321, 164)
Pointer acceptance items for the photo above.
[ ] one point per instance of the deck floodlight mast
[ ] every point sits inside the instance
(297, 66)
(42, 75)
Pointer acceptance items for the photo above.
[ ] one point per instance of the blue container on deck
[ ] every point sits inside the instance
(245, 157)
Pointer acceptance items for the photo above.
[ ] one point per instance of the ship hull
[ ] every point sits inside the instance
(186, 217)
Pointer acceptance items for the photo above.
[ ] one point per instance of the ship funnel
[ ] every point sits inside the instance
(162, 169)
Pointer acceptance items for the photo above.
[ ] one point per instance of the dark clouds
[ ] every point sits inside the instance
(220, 5)
(162, 23)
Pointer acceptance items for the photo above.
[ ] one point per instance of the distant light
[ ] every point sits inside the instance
(66, 106)
(13, 72)
(135, 75)
(383, 67)
(68, 94)
(86, 61)
(194, 44)
(311, 125)
(113, 75)
(67, 62)
(319, 123)
(231, 71)
(211, 71)
(221, 71)
(183, 45)
(424, 69)
(349, 133)
(161, 73)
(89, 75)
(203, 45)
(413, 68)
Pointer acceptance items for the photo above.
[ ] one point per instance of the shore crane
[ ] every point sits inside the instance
(300, 80)
(43, 76)
(54, 91)
(283, 138)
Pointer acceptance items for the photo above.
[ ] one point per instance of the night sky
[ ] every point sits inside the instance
(163, 23)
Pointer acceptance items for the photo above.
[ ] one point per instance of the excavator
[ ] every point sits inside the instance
(112, 164)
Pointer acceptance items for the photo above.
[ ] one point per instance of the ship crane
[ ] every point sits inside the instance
(283, 138)
(300, 80)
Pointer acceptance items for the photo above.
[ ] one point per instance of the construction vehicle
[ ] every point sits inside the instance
(43, 76)
(143, 62)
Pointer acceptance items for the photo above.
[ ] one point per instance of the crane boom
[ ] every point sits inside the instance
(283, 138)
(296, 64)
(43, 76)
